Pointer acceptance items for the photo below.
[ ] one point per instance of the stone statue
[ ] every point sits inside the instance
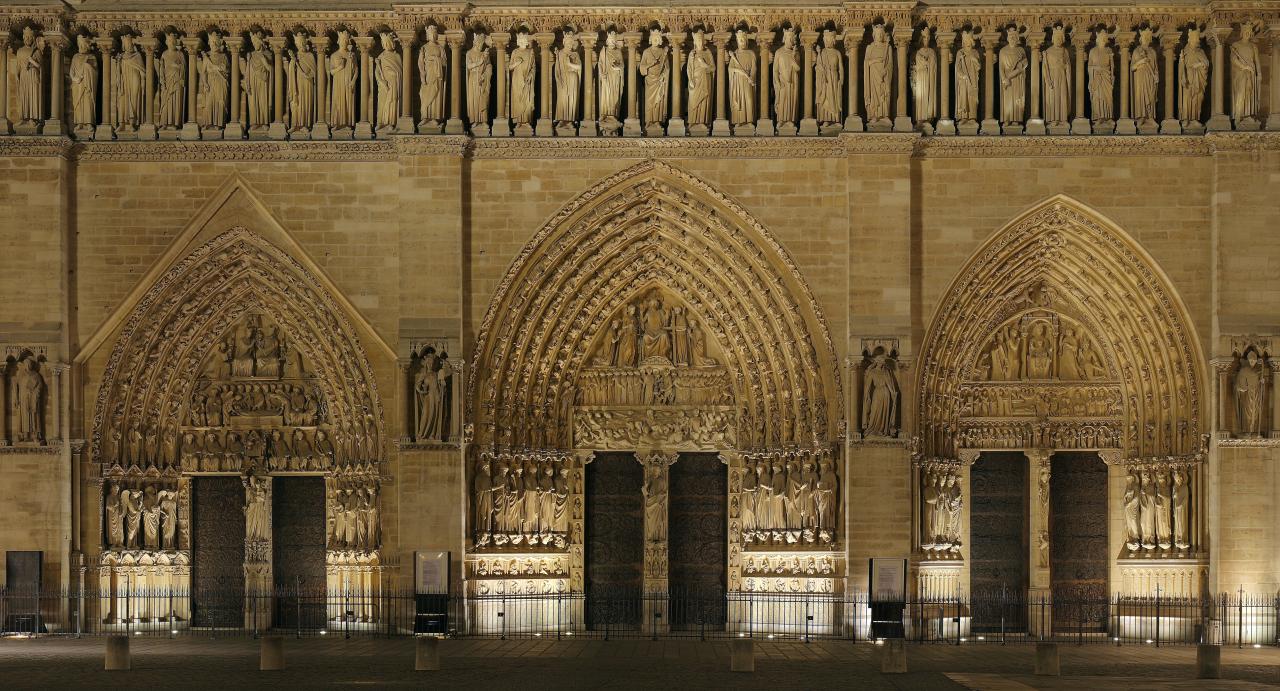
(30, 398)
(168, 519)
(213, 68)
(1246, 77)
(679, 327)
(546, 500)
(1069, 356)
(655, 501)
(1102, 78)
(880, 398)
(479, 62)
(1132, 509)
(532, 525)
(1193, 77)
(444, 395)
(701, 69)
(786, 79)
(1145, 66)
(369, 508)
(742, 81)
(1181, 510)
(568, 80)
(300, 78)
(1147, 510)
(877, 71)
(150, 518)
(698, 341)
(344, 70)
(628, 344)
(924, 79)
(794, 501)
(426, 395)
(955, 507)
(523, 68)
(83, 75)
(115, 510)
(483, 503)
(129, 85)
(28, 64)
(255, 80)
(131, 503)
(498, 482)
(747, 512)
(829, 82)
(932, 506)
(386, 74)
(655, 68)
(257, 510)
(656, 341)
(171, 96)
(560, 516)
(1248, 396)
(1013, 79)
(968, 69)
(609, 81)
(431, 65)
(825, 500)
(1057, 79)
(1162, 505)
(1040, 354)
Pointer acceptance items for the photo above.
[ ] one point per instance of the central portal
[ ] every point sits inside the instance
(697, 542)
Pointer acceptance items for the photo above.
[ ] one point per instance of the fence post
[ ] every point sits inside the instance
(1240, 618)
(1157, 616)
(171, 629)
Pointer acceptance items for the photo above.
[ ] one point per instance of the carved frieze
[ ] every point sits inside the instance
(709, 428)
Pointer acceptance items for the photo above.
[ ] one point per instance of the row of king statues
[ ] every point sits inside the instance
(790, 501)
(521, 501)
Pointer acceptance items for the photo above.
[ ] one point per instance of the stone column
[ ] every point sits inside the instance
(454, 124)
(502, 119)
(320, 129)
(901, 41)
(235, 126)
(808, 124)
(1124, 124)
(277, 129)
(720, 126)
(57, 84)
(1035, 123)
(853, 44)
(764, 124)
(6, 127)
(190, 128)
(105, 130)
(1079, 42)
(546, 112)
(676, 125)
(1039, 618)
(1273, 85)
(53, 434)
(656, 488)
(1222, 397)
(364, 126)
(405, 123)
(147, 128)
(1170, 124)
(631, 126)
(1272, 394)
(990, 125)
(589, 127)
(946, 119)
(1219, 121)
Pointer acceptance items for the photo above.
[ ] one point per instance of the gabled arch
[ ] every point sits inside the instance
(649, 226)
(1064, 257)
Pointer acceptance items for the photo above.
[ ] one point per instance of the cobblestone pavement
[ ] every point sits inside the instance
(527, 665)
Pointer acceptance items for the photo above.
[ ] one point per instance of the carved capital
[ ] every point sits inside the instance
(1124, 39)
(1110, 456)
(968, 456)
(1038, 455)
(278, 42)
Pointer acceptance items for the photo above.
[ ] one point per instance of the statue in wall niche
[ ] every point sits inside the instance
(433, 395)
(1193, 77)
(877, 75)
(655, 502)
(880, 397)
(386, 74)
(213, 67)
(1040, 353)
(113, 507)
(1013, 79)
(1056, 71)
(83, 75)
(826, 501)
(300, 80)
(129, 84)
(257, 508)
(829, 82)
(1181, 510)
(28, 65)
(431, 66)
(609, 80)
(786, 79)
(131, 504)
(568, 79)
(1147, 509)
(344, 70)
(255, 80)
(30, 389)
(1162, 506)
(1248, 395)
(523, 68)
(924, 79)
(655, 68)
(701, 68)
(1132, 507)
(1102, 78)
(171, 95)
(479, 63)
(742, 81)
(968, 69)
(1145, 66)
(1246, 77)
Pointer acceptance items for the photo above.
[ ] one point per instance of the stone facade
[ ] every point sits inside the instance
(831, 293)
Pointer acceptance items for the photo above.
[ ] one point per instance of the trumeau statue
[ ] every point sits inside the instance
(213, 69)
(431, 66)
(171, 93)
(786, 79)
(655, 68)
(1102, 78)
(1057, 79)
(1248, 395)
(523, 68)
(742, 81)
(387, 73)
(1013, 79)
(29, 390)
(1193, 76)
(479, 61)
(129, 85)
(300, 78)
(1145, 66)
(701, 68)
(968, 71)
(611, 68)
(655, 501)
(880, 397)
(83, 75)
(255, 80)
(344, 70)
(568, 80)
(924, 79)
(257, 508)
(877, 80)
(28, 64)
(1246, 77)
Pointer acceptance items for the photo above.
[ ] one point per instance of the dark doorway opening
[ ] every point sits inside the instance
(697, 535)
(298, 546)
(998, 542)
(217, 551)
(614, 541)
(1078, 541)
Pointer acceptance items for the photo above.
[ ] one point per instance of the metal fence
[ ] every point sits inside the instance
(987, 618)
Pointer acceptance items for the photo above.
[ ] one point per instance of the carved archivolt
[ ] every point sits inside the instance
(648, 227)
(1091, 347)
